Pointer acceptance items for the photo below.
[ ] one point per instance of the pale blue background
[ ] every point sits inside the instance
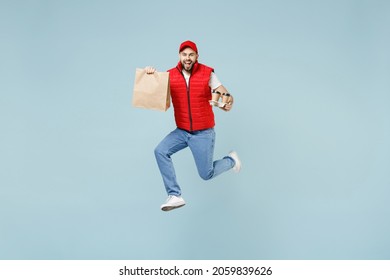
(78, 179)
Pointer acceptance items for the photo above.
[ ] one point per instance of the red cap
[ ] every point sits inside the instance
(188, 44)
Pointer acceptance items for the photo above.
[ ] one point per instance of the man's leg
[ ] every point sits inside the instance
(202, 144)
(172, 143)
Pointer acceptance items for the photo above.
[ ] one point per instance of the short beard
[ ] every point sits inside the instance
(189, 70)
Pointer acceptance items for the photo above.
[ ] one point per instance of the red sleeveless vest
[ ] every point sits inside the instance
(191, 103)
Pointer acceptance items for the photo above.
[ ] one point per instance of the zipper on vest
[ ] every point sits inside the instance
(188, 98)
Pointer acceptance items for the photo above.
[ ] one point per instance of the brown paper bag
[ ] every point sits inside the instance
(151, 91)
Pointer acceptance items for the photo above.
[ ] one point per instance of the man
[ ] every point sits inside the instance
(191, 86)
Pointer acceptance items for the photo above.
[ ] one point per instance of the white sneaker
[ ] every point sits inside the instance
(237, 165)
(173, 202)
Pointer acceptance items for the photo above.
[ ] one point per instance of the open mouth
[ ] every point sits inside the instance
(187, 65)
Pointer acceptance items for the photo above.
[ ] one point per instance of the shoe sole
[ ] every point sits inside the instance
(237, 167)
(169, 208)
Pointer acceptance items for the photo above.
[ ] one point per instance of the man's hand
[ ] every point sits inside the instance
(150, 70)
(229, 104)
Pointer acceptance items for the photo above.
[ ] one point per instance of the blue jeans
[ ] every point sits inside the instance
(201, 144)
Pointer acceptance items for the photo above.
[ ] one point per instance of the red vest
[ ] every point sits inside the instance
(191, 103)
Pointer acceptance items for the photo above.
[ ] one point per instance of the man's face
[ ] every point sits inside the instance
(187, 58)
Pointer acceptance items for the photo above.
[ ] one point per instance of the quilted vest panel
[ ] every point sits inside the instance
(191, 103)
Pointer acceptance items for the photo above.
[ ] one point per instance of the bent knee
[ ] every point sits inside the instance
(206, 176)
(160, 151)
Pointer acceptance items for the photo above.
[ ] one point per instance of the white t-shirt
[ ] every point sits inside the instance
(213, 83)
